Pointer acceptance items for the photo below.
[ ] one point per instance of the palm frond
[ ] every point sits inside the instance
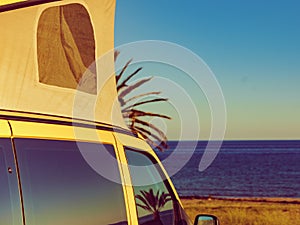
(132, 87)
(148, 131)
(150, 134)
(147, 124)
(147, 208)
(164, 198)
(145, 131)
(118, 77)
(145, 102)
(151, 201)
(142, 95)
(150, 142)
(145, 200)
(162, 144)
(134, 113)
(124, 83)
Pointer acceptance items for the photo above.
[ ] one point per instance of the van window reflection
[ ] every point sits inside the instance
(60, 188)
(156, 205)
(5, 201)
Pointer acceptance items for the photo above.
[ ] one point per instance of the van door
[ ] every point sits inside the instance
(10, 205)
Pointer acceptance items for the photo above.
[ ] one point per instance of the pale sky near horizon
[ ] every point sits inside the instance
(252, 47)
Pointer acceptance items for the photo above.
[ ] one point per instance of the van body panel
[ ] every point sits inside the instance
(22, 129)
(4, 129)
(133, 142)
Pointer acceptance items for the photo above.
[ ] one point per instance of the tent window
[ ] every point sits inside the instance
(66, 48)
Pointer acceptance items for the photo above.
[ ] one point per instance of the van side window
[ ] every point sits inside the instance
(154, 202)
(59, 187)
(10, 206)
(5, 202)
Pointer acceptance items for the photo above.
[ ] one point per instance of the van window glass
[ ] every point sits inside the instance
(66, 48)
(154, 202)
(10, 205)
(5, 202)
(59, 186)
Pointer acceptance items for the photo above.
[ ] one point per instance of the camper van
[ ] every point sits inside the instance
(45, 179)
(66, 156)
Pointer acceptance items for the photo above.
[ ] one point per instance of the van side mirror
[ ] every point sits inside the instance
(204, 219)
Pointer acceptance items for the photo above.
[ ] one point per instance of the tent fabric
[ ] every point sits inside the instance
(47, 60)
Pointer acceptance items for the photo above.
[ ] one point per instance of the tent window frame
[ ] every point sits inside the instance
(66, 48)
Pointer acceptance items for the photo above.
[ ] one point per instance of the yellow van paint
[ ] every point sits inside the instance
(127, 185)
(121, 169)
(130, 141)
(59, 132)
(4, 129)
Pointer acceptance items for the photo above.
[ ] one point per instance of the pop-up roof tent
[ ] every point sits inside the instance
(57, 58)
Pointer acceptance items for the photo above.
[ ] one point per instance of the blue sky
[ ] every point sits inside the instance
(253, 48)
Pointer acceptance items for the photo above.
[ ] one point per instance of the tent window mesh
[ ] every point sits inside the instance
(66, 48)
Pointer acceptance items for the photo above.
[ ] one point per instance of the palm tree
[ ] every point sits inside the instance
(153, 202)
(133, 116)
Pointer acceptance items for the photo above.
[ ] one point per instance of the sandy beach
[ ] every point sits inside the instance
(246, 211)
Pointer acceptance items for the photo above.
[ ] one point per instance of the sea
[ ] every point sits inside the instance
(240, 169)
